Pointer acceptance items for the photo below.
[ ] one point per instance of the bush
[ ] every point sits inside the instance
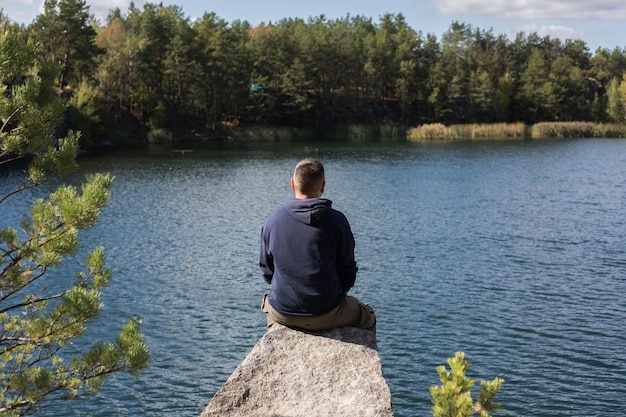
(160, 136)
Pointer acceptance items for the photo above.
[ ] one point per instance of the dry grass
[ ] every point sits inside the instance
(438, 131)
(270, 134)
(363, 132)
(577, 130)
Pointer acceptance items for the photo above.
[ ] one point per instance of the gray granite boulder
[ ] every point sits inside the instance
(291, 373)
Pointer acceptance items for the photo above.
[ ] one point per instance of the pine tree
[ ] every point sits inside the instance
(65, 31)
(454, 397)
(41, 317)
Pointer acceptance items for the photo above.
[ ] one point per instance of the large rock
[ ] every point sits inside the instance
(292, 373)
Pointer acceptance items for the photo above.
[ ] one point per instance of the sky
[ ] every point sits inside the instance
(600, 23)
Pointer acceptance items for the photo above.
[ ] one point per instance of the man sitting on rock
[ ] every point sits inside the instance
(307, 257)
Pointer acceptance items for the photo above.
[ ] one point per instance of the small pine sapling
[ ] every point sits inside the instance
(453, 398)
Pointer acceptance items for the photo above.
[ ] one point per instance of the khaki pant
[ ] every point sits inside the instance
(351, 312)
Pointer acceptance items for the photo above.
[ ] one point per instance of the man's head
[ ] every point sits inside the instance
(308, 179)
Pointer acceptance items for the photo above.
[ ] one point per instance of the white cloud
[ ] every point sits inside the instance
(535, 9)
(100, 8)
(21, 11)
(25, 11)
(553, 31)
(4, 3)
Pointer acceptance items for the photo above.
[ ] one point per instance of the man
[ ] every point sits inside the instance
(307, 257)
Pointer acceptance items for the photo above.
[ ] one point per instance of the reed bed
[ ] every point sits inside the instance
(577, 130)
(363, 132)
(491, 131)
(270, 134)
(438, 131)
(544, 130)
(431, 131)
(427, 132)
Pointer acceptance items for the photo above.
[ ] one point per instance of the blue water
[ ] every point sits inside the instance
(513, 252)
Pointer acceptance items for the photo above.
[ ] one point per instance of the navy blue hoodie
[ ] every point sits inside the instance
(307, 255)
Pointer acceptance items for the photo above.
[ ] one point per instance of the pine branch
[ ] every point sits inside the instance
(31, 302)
(22, 187)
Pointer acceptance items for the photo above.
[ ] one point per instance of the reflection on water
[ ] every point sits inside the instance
(513, 252)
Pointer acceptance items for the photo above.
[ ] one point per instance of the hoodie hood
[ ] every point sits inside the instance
(308, 210)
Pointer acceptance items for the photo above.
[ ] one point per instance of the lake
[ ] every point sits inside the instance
(513, 252)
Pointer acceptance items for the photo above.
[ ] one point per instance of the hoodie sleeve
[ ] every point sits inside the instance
(266, 261)
(346, 264)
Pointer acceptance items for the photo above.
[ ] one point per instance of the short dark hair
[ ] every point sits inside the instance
(308, 176)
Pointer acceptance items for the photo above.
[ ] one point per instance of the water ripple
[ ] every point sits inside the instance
(512, 252)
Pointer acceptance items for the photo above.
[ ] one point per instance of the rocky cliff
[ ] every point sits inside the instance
(290, 373)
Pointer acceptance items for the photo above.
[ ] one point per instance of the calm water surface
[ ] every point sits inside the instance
(513, 252)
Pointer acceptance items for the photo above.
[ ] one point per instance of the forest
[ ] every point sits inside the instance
(155, 74)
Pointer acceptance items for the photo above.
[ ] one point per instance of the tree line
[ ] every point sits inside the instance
(156, 69)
